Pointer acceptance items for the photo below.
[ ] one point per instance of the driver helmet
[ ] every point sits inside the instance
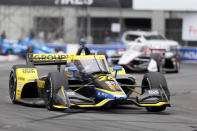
(83, 41)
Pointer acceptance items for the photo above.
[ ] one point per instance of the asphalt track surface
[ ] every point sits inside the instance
(181, 117)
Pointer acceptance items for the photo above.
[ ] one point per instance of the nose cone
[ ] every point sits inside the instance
(128, 57)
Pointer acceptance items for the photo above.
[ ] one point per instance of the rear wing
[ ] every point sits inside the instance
(157, 50)
(152, 49)
(49, 59)
(57, 59)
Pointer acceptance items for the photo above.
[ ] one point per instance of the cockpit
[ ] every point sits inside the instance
(92, 65)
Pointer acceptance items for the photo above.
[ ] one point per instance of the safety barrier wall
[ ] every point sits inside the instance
(187, 53)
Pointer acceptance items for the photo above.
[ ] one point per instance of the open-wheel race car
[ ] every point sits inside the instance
(141, 58)
(86, 81)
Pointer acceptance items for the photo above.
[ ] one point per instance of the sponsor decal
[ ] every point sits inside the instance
(112, 85)
(21, 78)
(102, 94)
(32, 80)
(102, 78)
(49, 57)
(153, 92)
(20, 84)
(73, 2)
(28, 71)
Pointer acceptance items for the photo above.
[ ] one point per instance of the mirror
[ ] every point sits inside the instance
(117, 68)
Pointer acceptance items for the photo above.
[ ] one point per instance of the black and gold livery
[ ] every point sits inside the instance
(85, 81)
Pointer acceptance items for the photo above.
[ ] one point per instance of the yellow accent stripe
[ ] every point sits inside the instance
(111, 92)
(86, 57)
(97, 105)
(156, 104)
(63, 56)
(134, 91)
(60, 106)
(62, 88)
(78, 89)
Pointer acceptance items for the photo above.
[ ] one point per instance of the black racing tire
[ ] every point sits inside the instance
(53, 83)
(12, 86)
(157, 58)
(155, 80)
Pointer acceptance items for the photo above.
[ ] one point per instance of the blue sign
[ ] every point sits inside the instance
(188, 54)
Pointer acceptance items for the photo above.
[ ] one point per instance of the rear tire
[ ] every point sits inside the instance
(155, 80)
(53, 84)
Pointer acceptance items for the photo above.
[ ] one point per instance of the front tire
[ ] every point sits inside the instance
(54, 82)
(156, 80)
(12, 87)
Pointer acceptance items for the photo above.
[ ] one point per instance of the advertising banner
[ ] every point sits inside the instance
(189, 30)
(83, 3)
(184, 5)
(188, 54)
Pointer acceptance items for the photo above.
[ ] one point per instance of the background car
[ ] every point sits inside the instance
(140, 58)
(163, 51)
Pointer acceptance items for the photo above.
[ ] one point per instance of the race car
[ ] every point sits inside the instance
(166, 50)
(141, 58)
(12, 47)
(15, 47)
(85, 81)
